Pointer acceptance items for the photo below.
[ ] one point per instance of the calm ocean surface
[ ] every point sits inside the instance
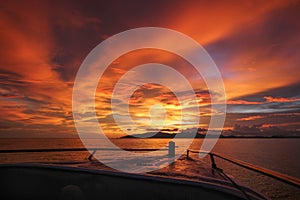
(282, 155)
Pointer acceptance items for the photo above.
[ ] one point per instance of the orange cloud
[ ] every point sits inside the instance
(210, 21)
(43, 44)
(250, 118)
(280, 99)
(282, 124)
(243, 102)
(32, 90)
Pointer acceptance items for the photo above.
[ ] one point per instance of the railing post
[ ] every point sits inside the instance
(213, 164)
(171, 149)
(91, 155)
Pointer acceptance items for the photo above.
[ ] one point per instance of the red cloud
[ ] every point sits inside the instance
(280, 99)
(243, 102)
(250, 118)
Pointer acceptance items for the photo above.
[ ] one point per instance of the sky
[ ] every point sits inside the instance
(254, 44)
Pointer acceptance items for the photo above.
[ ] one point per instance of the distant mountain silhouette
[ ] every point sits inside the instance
(201, 135)
(164, 135)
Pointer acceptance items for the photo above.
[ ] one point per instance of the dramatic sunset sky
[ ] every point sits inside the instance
(255, 44)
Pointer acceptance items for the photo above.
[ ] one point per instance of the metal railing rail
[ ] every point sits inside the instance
(170, 149)
(73, 149)
(76, 149)
(270, 173)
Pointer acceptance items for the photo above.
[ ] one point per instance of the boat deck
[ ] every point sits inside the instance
(184, 168)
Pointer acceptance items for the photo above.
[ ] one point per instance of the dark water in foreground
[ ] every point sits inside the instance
(282, 155)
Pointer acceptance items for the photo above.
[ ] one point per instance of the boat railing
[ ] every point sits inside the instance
(93, 150)
(170, 148)
(267, 172)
